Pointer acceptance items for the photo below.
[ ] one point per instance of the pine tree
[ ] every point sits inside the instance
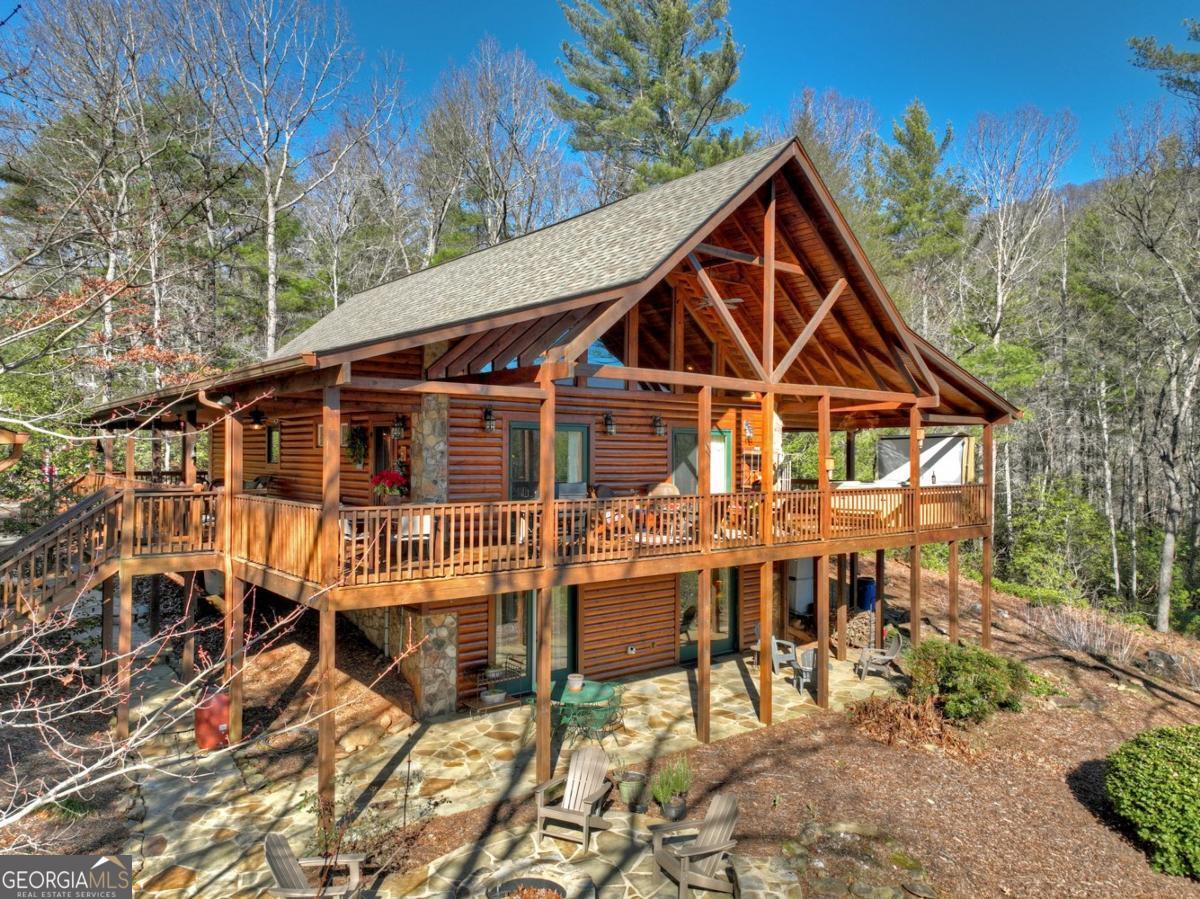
(922, 203)
(650, 80)
(1178, 69)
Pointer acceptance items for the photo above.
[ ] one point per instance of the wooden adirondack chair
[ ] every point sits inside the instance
(288, 871)
(585, 787)
(699, 863)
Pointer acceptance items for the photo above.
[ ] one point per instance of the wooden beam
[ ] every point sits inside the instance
(880, 593)
(596, 328)
(914, 464)
(726, 317)
(125, 644)
(450, 388)
(768, 291)
(809, 330)
(662, 376)
(544, 611)
(766, 605)
(953, 578)
(914, 594)
(107, 652)
(130, 458)
(709, 249)
(235, 656)
(327, 723)
(841, 607)
(985, 588)
(821, 575)
(441, 366)
(678, 343)
(704, 654)
(823, 454)
(187, 652)
(330, 537)
(704, 464)
(632, 324)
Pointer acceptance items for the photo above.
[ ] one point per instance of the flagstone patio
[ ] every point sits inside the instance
(201, 833)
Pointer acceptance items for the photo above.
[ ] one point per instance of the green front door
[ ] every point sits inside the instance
(724, 612)
(513, 638)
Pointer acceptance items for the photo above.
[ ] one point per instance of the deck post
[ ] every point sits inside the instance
(327, 725)
(329, 559)
(768, 284)
(187, 462)
(106, 627)
(234, 590)
(852, 475)
(821, 576)
(766, 579)
(880, 562)
(841, 607)
(124, 655)
(704, 655)
(187, 653)
(130, 458)
(914, 558)
(953, 577)
(985, 588)
(914, 594)
(106, 447)
(704, 465)
(823, 459)
(543, 624)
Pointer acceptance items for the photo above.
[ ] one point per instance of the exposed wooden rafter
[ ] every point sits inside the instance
(723, 313)
(809, 329)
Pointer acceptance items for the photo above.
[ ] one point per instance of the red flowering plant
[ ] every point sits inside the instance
(390, 483)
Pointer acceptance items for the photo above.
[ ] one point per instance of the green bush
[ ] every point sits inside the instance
(674, 779)
(967, 683)
(1153, 783)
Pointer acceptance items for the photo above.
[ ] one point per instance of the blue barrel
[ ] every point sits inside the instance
(866, 593)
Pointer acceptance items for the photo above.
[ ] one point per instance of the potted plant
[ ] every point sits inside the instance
(390, 486)
(670, 786)
(630, 784)
(356, 446)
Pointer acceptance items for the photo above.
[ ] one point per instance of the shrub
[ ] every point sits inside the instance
(674, 779)
(1087, 630)
(967, 683)
(1153, 782)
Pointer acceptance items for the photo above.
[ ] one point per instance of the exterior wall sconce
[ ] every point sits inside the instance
(829, 464)
(610, 424)
(400, 428)
(489, 419)
(747, 429)
(226, 400)
(257, 419)
(921, 434)
(660, 426)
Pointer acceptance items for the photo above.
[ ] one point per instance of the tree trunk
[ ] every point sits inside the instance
(272, 267)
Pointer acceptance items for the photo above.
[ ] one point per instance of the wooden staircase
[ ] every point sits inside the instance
(49, 568)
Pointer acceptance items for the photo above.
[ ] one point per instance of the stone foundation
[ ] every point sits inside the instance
(431, 668)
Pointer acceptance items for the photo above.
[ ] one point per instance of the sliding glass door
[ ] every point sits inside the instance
(724, 612)
(685, 465)
(513, 641)
(570, 460)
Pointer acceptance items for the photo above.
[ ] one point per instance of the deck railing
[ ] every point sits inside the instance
(174, 521)
(384, 544)
(280, 534)
(952, 506)
(870, 511)
(51, 564)
(414, 541)
(628, 527)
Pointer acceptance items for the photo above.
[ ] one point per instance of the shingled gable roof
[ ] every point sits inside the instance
(610, 247)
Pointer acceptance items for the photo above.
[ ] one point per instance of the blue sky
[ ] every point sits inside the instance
(960, 57)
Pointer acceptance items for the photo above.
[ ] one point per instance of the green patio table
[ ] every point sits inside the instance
(591, 693)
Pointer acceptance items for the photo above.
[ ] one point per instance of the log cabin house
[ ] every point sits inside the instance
(590, 417)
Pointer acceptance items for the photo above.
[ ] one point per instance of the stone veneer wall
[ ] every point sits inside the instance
(430, 469)
(432, 668)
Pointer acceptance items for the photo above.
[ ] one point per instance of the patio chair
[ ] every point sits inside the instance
(288, 871)
(783, 655)
(585, 786)
(873, 659)
(595, 722)
(699, 863)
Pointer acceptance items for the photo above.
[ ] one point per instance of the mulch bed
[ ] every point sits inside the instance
(1027, 817)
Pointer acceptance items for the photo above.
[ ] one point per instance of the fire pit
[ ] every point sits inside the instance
(527, 888)
(533, 878)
